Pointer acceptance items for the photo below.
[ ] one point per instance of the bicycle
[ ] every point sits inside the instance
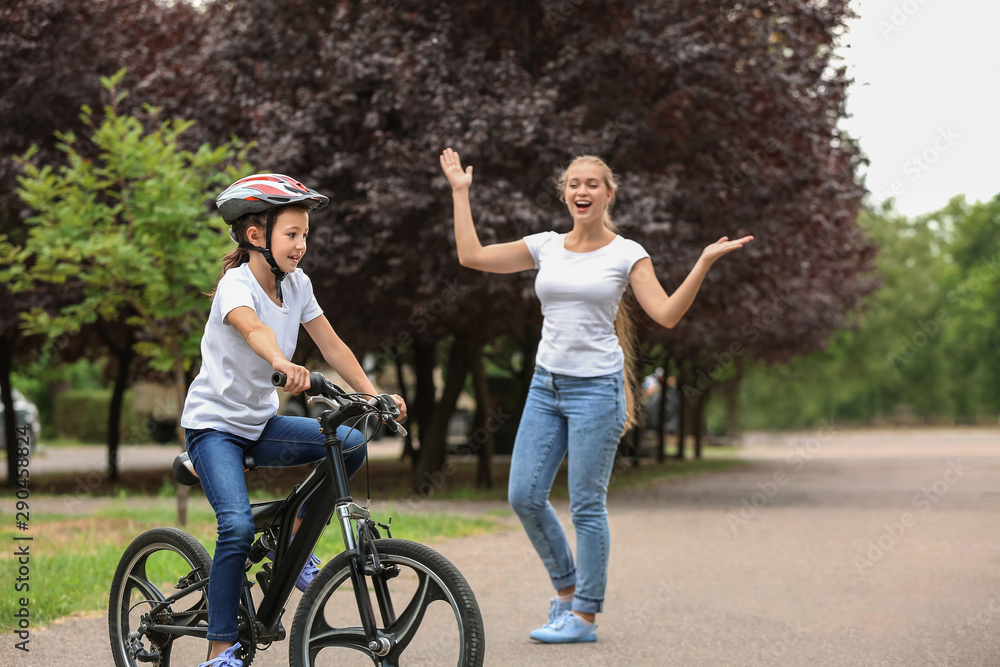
(351, 609)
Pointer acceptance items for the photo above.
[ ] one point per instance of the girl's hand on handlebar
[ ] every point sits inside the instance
(298, 376)
(389, 404)
(401, 405)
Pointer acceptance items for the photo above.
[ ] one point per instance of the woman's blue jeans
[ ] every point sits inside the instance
(218, 458)
(581, 418)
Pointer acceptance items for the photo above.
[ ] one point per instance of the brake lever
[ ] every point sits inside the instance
(388, 409)
(323, 399)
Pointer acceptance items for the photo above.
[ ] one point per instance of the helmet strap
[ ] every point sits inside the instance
(279, 275)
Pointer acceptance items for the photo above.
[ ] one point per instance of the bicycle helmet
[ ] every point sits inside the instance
(265, 193)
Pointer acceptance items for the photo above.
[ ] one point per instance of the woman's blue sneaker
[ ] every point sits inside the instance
(557, 607)
(566, 629)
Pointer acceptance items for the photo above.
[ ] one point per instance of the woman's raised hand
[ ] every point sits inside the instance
(451, 165)
(722, 247)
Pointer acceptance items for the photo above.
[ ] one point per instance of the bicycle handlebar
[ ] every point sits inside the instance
(383, 404)
(318, 386)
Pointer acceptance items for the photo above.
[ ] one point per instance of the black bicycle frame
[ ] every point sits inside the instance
(329, 488)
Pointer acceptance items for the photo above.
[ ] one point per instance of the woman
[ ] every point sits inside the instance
(577, 403)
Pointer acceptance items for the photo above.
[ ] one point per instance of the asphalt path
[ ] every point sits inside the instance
(824, 548)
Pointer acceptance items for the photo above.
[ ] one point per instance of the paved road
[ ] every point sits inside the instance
(824, 549)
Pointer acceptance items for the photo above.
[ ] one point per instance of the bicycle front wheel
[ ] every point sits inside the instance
(425, 611)
(160, 563)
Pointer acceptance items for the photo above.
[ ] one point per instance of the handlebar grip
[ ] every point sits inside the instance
(318, 385)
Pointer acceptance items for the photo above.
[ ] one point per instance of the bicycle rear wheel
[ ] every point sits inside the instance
(433, 617)
(156, 565)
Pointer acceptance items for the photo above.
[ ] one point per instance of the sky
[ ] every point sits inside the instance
(925, 102)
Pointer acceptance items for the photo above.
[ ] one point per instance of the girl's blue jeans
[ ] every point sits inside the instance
(218, 458)
(582, 419)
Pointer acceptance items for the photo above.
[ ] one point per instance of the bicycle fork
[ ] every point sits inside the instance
(361, 548)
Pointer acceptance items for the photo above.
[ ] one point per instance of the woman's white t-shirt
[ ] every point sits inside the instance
(233, 390)
(580, 293)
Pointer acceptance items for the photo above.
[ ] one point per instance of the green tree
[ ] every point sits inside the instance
(926, 342)
(131, 228)
(53, 54)
(972, 304)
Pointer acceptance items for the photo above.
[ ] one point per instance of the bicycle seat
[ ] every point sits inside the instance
(185, 473)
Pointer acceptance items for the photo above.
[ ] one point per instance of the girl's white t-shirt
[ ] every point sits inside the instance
(580, 293)
(233, 391)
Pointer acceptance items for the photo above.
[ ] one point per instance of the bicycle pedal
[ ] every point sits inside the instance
(144, 656)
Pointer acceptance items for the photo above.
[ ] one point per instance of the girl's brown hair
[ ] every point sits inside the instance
(624, 322)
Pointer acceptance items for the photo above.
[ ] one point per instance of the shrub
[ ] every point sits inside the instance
(82, 414)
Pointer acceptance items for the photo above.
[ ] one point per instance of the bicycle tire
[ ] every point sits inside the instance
(156, 559)
(425, 577)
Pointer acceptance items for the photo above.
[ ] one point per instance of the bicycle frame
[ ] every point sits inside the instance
(329, 488)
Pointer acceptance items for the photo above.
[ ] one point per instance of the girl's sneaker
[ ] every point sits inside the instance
(308, 573)
(225, 659)
(567, 629)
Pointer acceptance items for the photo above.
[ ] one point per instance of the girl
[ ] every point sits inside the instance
(576, 403)
(258, 304)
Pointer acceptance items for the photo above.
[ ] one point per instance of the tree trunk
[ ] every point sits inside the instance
(424, 362)
(433, 444)
(698, 422)
(661, 419)
(731, 389)
(408, 438)
(183, 492)
(684, 408)
(731, 395)
(628, 445)
(6, 392)
(481, 436)
(529, 349)
(124, 355)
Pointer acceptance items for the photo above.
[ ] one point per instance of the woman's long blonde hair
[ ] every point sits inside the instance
(624, 322)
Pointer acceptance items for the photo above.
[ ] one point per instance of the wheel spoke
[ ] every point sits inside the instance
(137, 580)
(404, 629)
(327, 637)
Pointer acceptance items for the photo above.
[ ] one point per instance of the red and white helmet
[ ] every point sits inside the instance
(260, 192)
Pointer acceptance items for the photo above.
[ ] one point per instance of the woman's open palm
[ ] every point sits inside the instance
(451, 164)
(722, 247)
